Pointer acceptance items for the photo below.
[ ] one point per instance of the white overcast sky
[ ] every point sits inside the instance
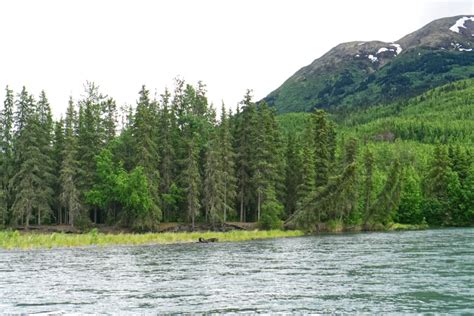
(230, 45)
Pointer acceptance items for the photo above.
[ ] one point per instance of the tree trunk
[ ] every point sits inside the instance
(225, 202)
(27, 220)
(39, 217)
(60, 215)
(258, 206)
(71, 218)
(242, 208)
(95, 215)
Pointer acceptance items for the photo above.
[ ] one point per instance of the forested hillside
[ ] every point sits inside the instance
(364, 73)
(170, 159)
(431, 136)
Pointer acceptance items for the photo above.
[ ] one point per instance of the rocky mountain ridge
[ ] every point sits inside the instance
(355, 73)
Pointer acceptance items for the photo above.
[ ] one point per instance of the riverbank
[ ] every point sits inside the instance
(62, 237)
(28, 240)
(338, 227)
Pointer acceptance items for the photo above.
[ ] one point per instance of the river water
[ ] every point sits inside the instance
(404, 272)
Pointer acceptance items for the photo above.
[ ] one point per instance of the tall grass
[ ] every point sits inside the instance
(15, 240)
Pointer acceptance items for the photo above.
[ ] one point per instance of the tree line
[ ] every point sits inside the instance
(170, 159)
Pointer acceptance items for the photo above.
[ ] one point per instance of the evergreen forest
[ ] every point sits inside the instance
(171, 158)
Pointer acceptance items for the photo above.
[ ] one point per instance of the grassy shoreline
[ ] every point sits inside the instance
(34, 240)
(15, 240)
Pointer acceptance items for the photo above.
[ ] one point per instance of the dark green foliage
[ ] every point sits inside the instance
(368, 181)
(272, 210)
(173, 156)
(245, 145)
(264, 170)
(321, 147)
(69, 193)
(213, 186)
(109, 110)
(386, 204)
(145, 148)
(57, 158)
(227, 156)
(192, 180)
(219, 179)
(294, 174)
(6, 158)
(90, 135)
(437, 187)
(329, 202)
(32, 179)
(411, 198)
(166, 129)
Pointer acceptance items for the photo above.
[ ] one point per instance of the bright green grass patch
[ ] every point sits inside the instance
(398, 226)
(15, 240)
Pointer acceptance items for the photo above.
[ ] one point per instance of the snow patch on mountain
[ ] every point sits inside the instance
(460, 23)
(397, 50)
(398, 47)
(460, 48)
(372, 58)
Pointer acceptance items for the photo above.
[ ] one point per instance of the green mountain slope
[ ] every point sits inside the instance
(359, 74)
(441, 115)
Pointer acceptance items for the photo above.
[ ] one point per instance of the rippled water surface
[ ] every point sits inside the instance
(421, 271)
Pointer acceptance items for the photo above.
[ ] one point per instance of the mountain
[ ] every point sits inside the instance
(356, 74)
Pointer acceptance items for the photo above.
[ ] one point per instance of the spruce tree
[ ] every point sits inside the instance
(306, 190)
(213, 186)
(109, 120)
(45, 141)
(387, 201)
(438, 184)
(468, 190)
(266, 156)
(192, 180)
(90, 136)
(145, 147)
(459, 161)
(368, 180)
(70, 196)
(227, 156)
(438, 176)
(293, 174)
(411, 198)
(7, 158)
(32, 190)
(57, 157)
(24, 110)
(245, 142)
(166, 130)
(332, 143)
(321, 150)
(348, 198)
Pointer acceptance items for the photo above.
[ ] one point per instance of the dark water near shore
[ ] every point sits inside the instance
(406, 272)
